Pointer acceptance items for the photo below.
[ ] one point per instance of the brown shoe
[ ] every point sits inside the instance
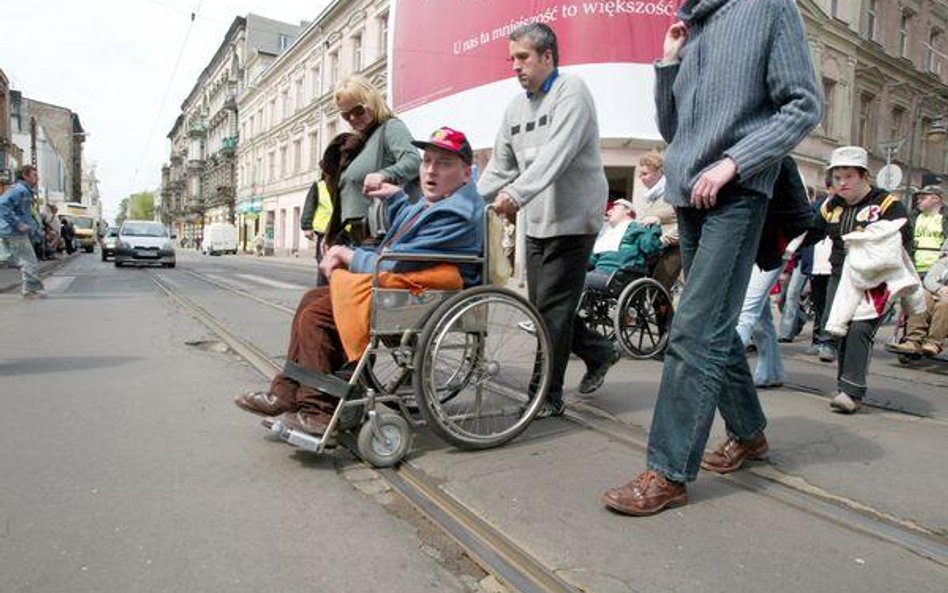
(732, 454)
(649, 493)
(313, 422)
(906, 347)
(263, 403)
(930, 348)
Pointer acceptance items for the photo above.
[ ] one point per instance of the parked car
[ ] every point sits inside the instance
(219, 237)
(108, 243)
(144, 242)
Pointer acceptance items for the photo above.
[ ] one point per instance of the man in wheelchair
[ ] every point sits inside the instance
(623, 243)
(330, 326)
(925, 332)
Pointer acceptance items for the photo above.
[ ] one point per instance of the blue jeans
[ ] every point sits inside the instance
(22, 255)
(756, 320)
(705, 364)
(793, 319)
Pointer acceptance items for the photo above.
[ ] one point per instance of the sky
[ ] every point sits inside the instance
(124, 67)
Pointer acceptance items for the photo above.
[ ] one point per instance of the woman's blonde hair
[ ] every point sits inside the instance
(653, 160)
(358, 88)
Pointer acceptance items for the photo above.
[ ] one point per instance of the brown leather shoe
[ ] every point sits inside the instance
(263, 403)
(313, 422)
(732, 454)
(648, 493)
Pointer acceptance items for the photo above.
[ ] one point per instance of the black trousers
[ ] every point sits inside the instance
(556, 272)
(818, 287)
(855, 349)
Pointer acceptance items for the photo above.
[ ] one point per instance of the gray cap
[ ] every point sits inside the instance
(931, 189)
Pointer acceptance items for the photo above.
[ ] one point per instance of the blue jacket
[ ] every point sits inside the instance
(15, 208)
(454, 225)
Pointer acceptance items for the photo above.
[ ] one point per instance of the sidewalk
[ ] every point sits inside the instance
(10, 277)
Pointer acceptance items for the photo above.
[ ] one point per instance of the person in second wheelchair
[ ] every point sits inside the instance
(330, 327)
(926, 331)
(622, 244)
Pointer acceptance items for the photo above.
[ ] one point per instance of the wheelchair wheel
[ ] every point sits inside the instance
(595, 309)
(489, 348)
(389, 446)
(642, 318)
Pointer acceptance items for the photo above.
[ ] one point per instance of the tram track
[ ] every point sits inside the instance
(503, 558)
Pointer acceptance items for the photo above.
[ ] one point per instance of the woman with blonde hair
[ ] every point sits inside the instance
(387, 156)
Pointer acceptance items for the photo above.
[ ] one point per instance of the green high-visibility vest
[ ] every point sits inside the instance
(323, 208)
(928, 240)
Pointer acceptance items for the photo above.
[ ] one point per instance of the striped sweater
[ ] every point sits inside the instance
(744, 88)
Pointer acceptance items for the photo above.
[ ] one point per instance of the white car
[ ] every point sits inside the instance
(144, 242)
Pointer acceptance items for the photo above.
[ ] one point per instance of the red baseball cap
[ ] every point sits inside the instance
(449, 139)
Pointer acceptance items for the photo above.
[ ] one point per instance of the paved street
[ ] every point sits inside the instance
(125, 466)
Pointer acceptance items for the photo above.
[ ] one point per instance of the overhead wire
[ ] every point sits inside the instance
(164, 98)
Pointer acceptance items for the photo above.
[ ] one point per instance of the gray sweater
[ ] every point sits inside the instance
(547, 158)
(745, 88)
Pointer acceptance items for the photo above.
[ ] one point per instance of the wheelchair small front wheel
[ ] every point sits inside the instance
(388, 445)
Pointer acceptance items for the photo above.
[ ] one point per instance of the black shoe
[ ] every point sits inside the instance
(785, 340)
(594, 378)
(551, 409)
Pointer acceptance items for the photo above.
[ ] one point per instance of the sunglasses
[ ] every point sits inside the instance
(357, 111)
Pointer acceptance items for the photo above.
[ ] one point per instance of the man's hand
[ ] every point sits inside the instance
(942, 293)
(372, 182)
(649, 220)
(675, 39)
(505, 205)
(337, 257)
(383, 191)
(705, 192)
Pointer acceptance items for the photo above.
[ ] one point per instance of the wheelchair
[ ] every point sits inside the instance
(630, 308)
(472, 365)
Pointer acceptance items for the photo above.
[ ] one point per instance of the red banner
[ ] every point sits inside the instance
(443, 47)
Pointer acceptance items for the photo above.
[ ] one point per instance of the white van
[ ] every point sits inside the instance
(219, 237)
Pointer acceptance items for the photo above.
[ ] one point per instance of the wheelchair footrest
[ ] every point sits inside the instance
(328, 384)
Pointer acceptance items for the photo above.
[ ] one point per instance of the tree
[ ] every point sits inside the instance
(140, 206)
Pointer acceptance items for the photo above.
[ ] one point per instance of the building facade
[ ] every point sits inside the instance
(199, 182)
(50, 137)
(287, 115)
(11, 156)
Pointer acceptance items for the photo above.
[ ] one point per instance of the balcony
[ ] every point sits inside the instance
(228, 145)
(197, 127)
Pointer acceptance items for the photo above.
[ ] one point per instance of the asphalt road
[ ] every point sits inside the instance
(124, 466)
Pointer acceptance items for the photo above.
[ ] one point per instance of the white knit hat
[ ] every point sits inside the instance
(849, 156)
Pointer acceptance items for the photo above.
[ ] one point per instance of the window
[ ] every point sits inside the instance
(283, 41)
(933, 41)
(872, 7)
(243, 128)
(285, 104)
(273, 112)
(271, 166)
(316, 82)
(383, 33)
(297, 156)
(834, 8)
(333, 68)
(357, 51)
(331, 129)
(257, 170)
(314, 150)
(864, 135)
(896, 122)
(904, 19)
(298, 99)
(284, 165)
(829, 106)
(259, 121)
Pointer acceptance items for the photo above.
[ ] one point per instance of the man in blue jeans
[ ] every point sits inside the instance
(729, 112)
(18, 228)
